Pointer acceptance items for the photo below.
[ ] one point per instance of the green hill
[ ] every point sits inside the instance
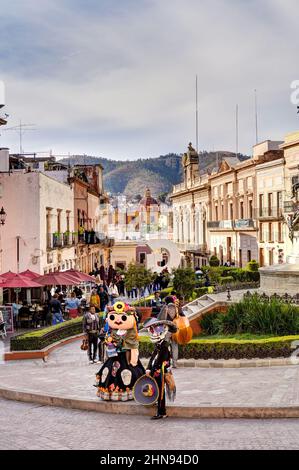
(132, 177)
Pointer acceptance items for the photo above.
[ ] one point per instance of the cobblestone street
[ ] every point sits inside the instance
(26, 426)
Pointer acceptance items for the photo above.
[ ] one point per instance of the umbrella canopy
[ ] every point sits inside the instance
(8, 275)
(57, 279)
(80, 276)
(19, 281)
(29, 274)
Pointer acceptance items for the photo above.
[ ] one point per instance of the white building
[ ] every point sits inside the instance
(39, 223)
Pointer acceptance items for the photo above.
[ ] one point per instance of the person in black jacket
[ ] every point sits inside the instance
(159, 366)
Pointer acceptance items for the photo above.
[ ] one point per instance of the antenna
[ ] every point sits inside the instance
(21, 128)
(196, 112)
(256, 120)
(237, 130)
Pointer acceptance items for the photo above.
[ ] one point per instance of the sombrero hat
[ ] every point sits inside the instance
(154, 322)
(146, 390)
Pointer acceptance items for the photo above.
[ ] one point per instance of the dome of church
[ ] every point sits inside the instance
(148, 200)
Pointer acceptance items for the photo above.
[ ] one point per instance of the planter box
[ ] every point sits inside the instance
(145, 312)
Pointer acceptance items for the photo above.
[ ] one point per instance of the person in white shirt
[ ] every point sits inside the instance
(113, 292)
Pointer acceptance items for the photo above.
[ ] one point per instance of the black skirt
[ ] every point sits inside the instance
(117, 377)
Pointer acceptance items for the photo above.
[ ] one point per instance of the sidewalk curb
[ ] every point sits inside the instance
(190, 412)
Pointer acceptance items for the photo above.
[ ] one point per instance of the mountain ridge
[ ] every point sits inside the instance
(132, 177)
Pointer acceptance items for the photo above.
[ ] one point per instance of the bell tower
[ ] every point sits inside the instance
(190, 163)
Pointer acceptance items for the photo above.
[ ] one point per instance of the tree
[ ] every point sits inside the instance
(137, 276)
(184, 282)
(214, 261)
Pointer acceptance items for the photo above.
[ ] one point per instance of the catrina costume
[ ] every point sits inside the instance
(117, 376)
(159, 367)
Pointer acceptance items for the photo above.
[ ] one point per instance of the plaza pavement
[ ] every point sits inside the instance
(30, 426)
(68, 374)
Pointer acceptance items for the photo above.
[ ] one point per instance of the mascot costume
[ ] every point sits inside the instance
(117, 376)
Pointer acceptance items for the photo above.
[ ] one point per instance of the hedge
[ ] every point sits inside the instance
(230, 348)
(39, 339)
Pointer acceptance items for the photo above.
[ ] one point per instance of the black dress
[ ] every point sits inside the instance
(117, 376)
(159, 365)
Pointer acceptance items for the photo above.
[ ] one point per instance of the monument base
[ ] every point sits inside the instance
(280, 279)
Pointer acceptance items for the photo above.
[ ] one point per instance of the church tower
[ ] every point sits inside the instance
(190, 163)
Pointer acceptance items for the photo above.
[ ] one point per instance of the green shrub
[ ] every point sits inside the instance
(229, 348)
(223, 280)
(40, 339)
(184, 282)
(214, 261)
(210, 323)
(253, 266)
(253, 315)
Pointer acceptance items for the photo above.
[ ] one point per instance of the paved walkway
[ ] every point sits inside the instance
(30, 426)
(67, 373)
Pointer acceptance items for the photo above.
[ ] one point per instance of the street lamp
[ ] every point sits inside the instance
(2, 216)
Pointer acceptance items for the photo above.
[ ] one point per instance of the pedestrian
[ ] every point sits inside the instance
(55, 308)
(91, 327)
(169, 312)
(72, 305)
(113, 292)
(104, 298)
(156, 304)
(95, 300)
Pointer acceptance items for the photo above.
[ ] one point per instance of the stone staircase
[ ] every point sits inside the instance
(199, 306)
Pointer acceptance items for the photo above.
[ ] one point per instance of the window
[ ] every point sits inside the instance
(270, 203)
(261, 233)
(270, 238)
(231, 211)
(261, 204)
(216, 212)
(250, 209)
(248, 255)
(241, 210)
(142, 258)
(280, 239)
(279, 202)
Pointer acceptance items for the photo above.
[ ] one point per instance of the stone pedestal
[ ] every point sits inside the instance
(280, 278)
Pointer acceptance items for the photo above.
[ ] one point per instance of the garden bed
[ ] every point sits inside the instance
(230, 348)
(41, 338)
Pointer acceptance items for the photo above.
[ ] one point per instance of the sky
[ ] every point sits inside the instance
(116, 78)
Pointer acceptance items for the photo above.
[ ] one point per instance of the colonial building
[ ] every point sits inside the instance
(63, 208)
(238, 212)
(190, 201)
(40, 219)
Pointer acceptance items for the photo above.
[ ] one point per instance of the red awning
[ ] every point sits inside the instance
(8, 275)
(57, 279)
(80, 276)
(19, 281)
(30, 274)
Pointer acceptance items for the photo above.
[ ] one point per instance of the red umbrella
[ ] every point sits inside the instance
(30, 274)
(80, 276)
(57, 279)
(8, 275)
(19, 281)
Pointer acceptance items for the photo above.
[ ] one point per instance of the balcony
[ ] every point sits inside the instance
(69, 239)
(220, 225)
(268, 213)
(197, 248)
(238, 224)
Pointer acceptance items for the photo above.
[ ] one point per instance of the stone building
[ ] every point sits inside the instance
(190, 201)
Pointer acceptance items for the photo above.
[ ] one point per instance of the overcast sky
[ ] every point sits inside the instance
(116, 78)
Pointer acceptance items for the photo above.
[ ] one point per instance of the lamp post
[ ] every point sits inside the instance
(2, 216)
